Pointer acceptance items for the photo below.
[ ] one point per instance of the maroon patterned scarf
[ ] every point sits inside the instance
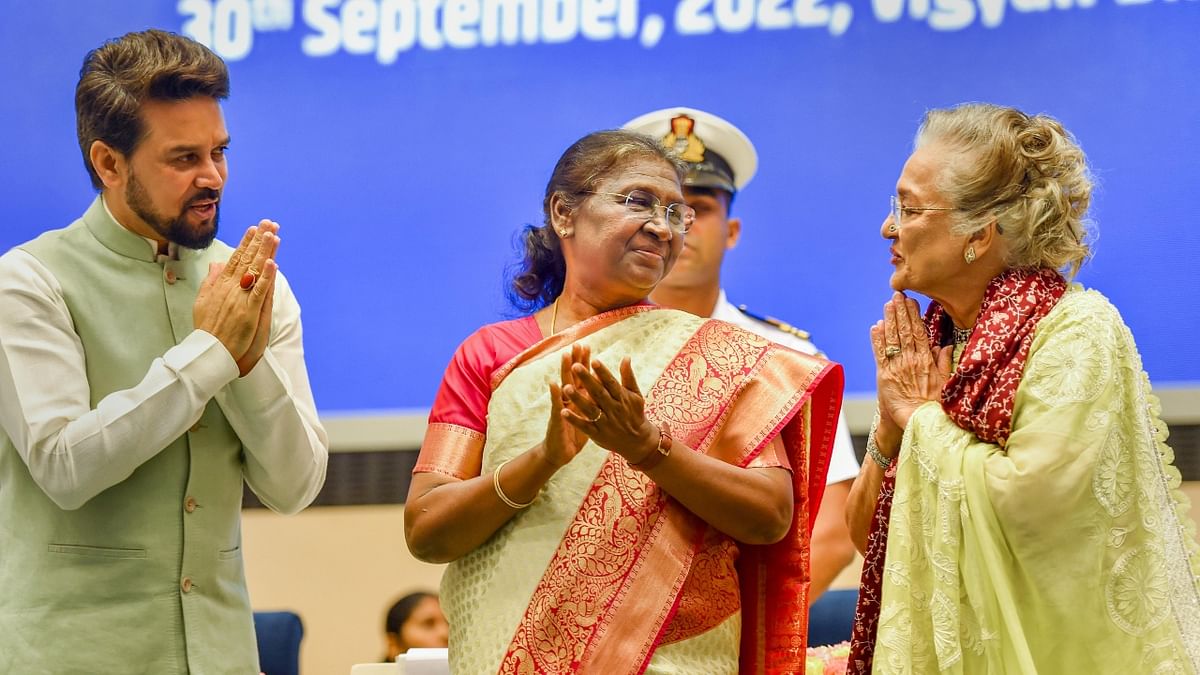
(978, 397)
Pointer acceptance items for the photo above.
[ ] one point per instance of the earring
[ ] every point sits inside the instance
(562, 233)
(969, 256)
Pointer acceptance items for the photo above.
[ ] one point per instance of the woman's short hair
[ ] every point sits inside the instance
(120, 75)
(402, 610)
(1026, 173)
(538, 278)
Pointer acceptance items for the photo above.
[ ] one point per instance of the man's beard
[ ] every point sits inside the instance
(175, 230)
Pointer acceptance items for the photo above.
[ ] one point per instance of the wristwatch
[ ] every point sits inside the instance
(659, 453)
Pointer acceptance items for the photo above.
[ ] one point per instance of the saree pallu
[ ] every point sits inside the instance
(1067, 550)
(607, 574)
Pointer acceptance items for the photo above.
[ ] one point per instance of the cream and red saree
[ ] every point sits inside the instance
(607, 574)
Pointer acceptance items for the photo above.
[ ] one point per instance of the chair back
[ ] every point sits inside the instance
(279, 635)
(831, 617)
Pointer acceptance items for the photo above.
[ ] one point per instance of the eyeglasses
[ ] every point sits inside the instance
(898, 210)
(644, 205)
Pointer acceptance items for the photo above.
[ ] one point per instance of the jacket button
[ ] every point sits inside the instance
(190, 504)
(170, 275)
(186, 584)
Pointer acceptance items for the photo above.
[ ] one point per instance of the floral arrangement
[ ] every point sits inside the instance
(828, 660)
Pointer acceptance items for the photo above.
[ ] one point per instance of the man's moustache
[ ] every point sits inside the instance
(206, 195)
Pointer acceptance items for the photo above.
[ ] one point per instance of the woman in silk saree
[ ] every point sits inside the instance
(621, 488)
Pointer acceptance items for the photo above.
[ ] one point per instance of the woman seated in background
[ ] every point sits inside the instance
(1021, 512)
(416, 620)
(593, 471)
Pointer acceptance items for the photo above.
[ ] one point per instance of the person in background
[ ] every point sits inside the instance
(1020, 512)
(721, 161)
(146, 372)
(415, 620)
(621, 487)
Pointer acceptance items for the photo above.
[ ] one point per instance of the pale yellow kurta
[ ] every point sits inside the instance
(1068, 550)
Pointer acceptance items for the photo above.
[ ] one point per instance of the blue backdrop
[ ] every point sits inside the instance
(402, 143)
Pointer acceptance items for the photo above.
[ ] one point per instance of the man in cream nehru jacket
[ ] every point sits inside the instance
(721, 161)
(145, 371)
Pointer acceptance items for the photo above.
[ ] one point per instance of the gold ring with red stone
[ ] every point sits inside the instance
(249, 279)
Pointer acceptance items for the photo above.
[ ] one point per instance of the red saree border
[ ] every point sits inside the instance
(451, 449)
(775, 578)
(567, 336)
(710, 593)
(790, 382)
(600, 606)
(457, 451)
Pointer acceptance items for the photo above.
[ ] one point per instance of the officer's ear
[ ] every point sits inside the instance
(734, 232)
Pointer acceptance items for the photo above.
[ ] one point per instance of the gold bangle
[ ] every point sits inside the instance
(500, 491)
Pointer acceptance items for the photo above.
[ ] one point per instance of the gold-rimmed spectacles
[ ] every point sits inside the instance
(641, 203)
(898, 210)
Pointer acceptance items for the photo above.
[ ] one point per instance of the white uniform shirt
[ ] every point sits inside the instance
(843, 463)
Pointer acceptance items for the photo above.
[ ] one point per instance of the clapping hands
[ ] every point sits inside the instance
(609, 412)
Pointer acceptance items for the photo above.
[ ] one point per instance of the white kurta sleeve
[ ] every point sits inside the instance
(273, 412)
(74, 451)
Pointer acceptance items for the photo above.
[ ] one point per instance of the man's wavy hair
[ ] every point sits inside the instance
(120, 75)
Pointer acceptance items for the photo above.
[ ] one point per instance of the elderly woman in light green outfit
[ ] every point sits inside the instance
(1020, 513)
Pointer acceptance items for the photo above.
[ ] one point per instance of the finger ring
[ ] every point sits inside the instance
(597, 417)
(249, 279)
(891, 351)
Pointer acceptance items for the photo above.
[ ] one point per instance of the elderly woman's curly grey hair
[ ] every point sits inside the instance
(1026, 173)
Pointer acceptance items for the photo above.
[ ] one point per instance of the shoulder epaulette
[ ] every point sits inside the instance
(781, 325)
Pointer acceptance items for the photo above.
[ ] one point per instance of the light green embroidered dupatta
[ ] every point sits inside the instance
(1069, 550)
